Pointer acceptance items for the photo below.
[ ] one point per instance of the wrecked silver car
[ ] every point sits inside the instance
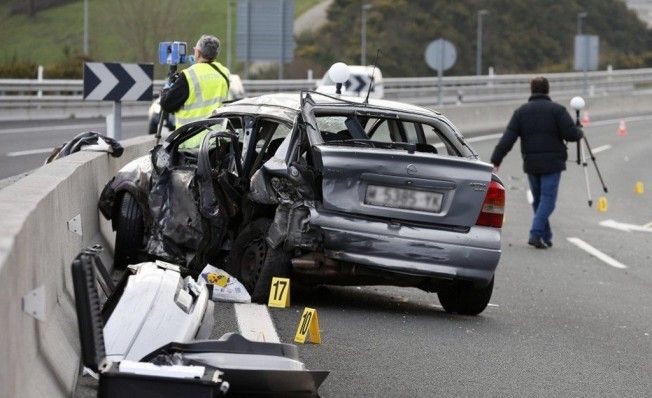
(325, 189)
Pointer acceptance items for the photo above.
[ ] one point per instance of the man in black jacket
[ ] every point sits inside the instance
(543, 127)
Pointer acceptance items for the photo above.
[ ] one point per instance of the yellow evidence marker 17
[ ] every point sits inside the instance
(279, 293)
(308, 327)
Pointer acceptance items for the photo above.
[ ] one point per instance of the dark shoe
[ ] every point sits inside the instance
(548, 243)
(537, 242)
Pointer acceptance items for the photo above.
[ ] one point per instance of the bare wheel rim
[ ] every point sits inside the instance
(253, 259)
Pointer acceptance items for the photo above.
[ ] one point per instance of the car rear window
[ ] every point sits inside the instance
(430, 137)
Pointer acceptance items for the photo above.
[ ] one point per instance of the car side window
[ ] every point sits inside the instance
(191, 144)
(383, 130)
(378, 130)
(436, 138)
(271, 136)
(411, 134)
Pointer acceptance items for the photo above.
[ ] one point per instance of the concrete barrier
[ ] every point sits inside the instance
(56, 108)
(474, 119)
(39, 238)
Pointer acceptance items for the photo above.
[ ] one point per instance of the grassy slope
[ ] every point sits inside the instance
(44, 39)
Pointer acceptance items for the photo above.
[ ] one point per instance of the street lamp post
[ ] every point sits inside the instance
(363, 35)
(585, 53)
(228, 35)
(86, 27)
(478, 48)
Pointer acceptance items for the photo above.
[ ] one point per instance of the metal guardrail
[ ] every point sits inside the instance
(412, 89)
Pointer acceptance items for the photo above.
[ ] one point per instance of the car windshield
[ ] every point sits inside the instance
(191, 144)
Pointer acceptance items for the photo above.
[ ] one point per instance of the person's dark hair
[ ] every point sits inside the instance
(539, 85)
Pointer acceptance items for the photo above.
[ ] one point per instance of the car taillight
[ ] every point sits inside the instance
(493, 207)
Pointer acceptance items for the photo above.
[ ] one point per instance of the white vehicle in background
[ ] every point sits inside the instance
(357, 85)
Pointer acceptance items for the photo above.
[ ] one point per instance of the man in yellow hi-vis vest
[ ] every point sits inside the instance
(200, 88)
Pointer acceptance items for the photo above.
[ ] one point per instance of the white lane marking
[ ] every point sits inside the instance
(624, 226)
(29, 152)
(484, 137)
(81, 127)
(600, 123)
(602, 148)
(614, 121)
(596, 253)
(530, 197)
(493, 305)
(255, 323)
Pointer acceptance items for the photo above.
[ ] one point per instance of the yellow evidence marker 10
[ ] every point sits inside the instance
(279, 293)
(308, 327)
(602, 204)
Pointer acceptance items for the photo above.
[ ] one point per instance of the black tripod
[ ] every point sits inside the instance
(581, 159)
(163, 115)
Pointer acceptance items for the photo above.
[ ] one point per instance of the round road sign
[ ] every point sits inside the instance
(441, 55)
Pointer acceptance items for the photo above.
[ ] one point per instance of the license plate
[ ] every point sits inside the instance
(400, 198)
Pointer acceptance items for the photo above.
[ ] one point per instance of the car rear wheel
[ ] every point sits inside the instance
(129, 232)
(255, 263)
(465, 298)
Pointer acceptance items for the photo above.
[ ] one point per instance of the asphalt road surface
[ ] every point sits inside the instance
(24, 146)
(562, 322)
(573, 320)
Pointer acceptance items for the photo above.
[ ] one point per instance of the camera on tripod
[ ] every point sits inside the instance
(173, 53)
(578, 103)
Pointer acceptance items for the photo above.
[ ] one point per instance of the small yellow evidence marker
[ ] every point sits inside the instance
(308, 327)
(602, 204)
(639, 188)
(279, 293)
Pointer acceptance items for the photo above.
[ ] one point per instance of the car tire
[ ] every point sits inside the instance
(255, 263)
(465, 298)
(129, 232)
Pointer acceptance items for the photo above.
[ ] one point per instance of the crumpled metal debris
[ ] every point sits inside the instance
(87, 141)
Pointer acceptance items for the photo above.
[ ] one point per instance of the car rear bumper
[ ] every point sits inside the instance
(409, 249)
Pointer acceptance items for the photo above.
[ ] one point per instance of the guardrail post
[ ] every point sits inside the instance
(39, 77)
(114, 122)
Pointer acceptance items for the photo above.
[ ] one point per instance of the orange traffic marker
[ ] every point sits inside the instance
(586, 120)
(622, 128)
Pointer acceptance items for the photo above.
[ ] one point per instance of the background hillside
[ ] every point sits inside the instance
(519, 35)
(119, 30)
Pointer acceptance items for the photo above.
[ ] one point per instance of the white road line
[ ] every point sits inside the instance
(29, 152)
(624, 226)
(255, 323)
(614, 121)
(600, 123)
(596, 253)
(80, 127)
(530, 198)
(485, 137)
(602, 148)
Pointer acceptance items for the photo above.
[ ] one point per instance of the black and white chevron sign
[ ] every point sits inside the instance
(359, 84)
(118, 82)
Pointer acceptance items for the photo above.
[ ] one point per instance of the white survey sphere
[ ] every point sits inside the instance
(577, 103)
(339, 72)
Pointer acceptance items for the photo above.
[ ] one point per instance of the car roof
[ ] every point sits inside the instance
(291, 102)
